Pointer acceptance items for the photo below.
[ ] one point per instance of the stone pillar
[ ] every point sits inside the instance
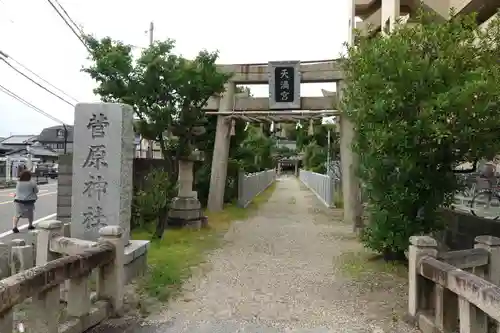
(47, 231)
(8, 169)
(21, 256)
(44, 312)
(390, 14)
(111, 280)
(103, 153)
(185, 209)
(29, 161)
(492, 245)
(241, 188)
(185, 178)
(5, 255)
(64, 188)
(419, 246)
(6, 321)
(6, 317)
(350, 183)
(221, 151)
(78, 296)
(296, 168)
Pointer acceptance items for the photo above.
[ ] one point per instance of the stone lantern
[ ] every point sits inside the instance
(185, 209)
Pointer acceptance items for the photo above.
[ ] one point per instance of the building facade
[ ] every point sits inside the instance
(382, 15)
(56, 139)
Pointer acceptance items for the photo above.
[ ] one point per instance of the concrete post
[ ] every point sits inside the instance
(492, 245)
(8, 169)
(5, 255)
(78, 296)
(185, 178)
(419, 246)
(241, 188)
(47, 231)
(29, 162)
(44, 316)
(6, 317)
(111, 280)
(350, 183)
(472, 319)
(390, 15)
(221, 152)
(296, 172)
(6, 321)
(21, 256)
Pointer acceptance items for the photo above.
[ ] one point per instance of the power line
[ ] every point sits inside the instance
(69, 17)
(28, 104)
(38, 84)
(37, 109)
(69, 25)
(6, 56)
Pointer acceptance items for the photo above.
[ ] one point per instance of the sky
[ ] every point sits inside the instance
(33, 34)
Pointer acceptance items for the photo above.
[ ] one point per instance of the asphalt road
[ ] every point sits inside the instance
(44, 207)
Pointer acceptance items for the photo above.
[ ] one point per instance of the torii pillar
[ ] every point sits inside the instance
(221, 151)
(351, 187)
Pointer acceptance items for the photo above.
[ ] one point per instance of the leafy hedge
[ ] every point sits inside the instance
(422, 99)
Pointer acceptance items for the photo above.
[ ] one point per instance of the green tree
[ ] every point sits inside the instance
(255, 152)
(422, 100)
(166, 91)
(315, 146)
(206, 143)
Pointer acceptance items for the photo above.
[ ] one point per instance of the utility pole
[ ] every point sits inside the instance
(151, 30)
(149, 152)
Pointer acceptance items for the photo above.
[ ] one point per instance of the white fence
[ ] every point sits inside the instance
(252, 184)
(323, 186)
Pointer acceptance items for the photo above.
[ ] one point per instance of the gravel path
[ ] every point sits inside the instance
(279, 272)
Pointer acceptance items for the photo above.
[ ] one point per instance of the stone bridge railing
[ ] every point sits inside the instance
(63, 272)
(456, 291)
(252, 184)
(323, 186)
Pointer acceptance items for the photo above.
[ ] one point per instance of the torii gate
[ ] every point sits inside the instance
(283, 105)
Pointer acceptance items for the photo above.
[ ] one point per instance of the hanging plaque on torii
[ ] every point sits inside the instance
(284, 85)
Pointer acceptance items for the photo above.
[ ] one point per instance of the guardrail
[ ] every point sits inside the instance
(456, 291)
(252, 184)
(63, 264)
(323, 186)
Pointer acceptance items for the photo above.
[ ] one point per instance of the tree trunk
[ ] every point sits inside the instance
(161, 223)
(162, 215)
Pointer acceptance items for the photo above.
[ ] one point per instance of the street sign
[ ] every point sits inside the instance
(284, 85)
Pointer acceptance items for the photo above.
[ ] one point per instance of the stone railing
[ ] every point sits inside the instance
(63, 265)
(323, 186)
(252, 184)
(455, 291)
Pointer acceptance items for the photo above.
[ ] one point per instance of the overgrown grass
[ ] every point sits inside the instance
(363, 264)
(171, 259)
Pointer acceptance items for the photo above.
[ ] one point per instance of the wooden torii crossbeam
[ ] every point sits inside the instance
(274, 116)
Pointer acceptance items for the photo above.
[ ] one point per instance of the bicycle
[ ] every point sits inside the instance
(486, 203)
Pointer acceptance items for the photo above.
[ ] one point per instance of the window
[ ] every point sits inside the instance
(60, 133)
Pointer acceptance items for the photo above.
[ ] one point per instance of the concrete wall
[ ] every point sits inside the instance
(141, 168)
(458, 5)
(462, 228)
(64, 188)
